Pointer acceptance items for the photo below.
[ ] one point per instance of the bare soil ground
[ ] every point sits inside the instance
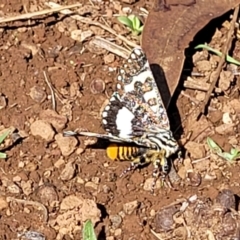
(51, 184)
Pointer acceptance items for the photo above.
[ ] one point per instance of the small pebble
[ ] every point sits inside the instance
(116, 221)
(194, 178)
(42, 129)
(97, 86)
(91, 185)
(118, 232)
(226, 199)
(47, 194)
(67, 145)
(109, 58)
(68, 172)
(3, 203)
(38, 94)
(130, 207)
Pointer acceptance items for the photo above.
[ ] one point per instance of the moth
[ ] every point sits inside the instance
(135, 119)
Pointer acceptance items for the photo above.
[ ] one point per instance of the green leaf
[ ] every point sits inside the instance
(213, 146)
(231, 156)
(135, 32)
(136, 23)
(228, 58)
(227, 156)
(237, 156)
(4, 135)
(131, 17)
(88, 231)
(234, 151)
(126, 21)
(3, 155)
(141, 28)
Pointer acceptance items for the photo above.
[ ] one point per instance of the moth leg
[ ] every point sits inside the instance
(156, 173)
(135, 163)
(132, 167)
(160, 162)
(180, 157)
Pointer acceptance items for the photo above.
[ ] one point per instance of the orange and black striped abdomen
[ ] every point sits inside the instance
(122, 152)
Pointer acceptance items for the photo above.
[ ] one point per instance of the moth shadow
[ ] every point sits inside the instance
(104, 144)
(100, 144)
(161, 82)
(168, 100)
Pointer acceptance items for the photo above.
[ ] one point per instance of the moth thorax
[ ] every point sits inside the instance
(165, 140)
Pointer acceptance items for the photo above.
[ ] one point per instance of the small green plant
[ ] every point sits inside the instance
(228, 58)
(132, 22)
(2, 137)
(88, 231)
(231, 156)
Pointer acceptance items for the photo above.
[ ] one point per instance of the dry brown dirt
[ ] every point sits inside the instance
(52, 191)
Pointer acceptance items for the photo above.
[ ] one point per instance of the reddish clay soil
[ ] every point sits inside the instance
(46, 190)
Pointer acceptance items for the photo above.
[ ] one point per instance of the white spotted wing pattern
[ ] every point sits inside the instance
(136, 106)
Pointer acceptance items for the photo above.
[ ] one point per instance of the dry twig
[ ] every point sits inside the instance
(196, 84)
(51, 90)
(111, 47)
(157, 235)
(39, 13)
(222, 61)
